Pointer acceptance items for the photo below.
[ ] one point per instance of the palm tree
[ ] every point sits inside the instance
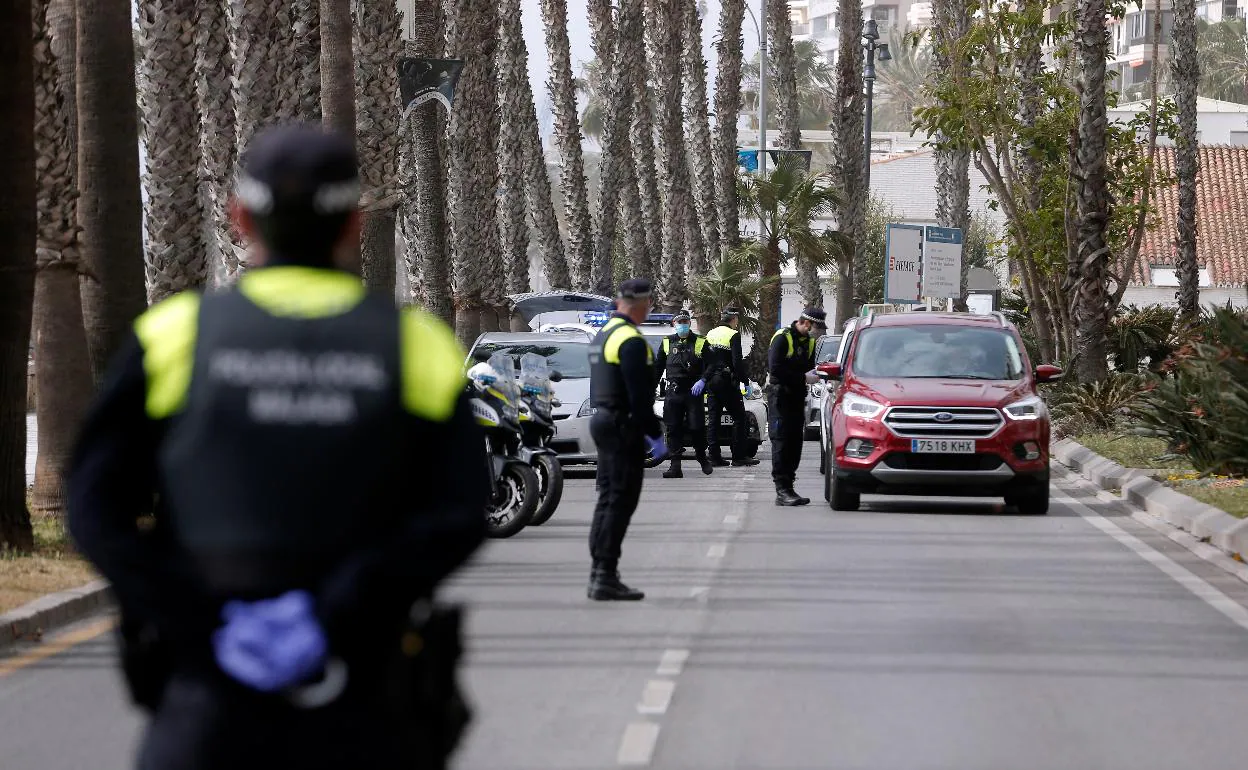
(307, 58)
(1224, 48)
(337, 69)
(699, 146)
(952, 21)
(62, 365)
(1092, 300)
(17, 263)
(645, 165)
(732, 281)
(215, 102)
(62, 21)
(173, 219)
(816, 87)
(377, 44)
(110, 211)
(613, 117)
(851, 155)
(589, 88)
(785, 202)
(568, 138)
(1186, 69)
(899, 86)
(728, 54)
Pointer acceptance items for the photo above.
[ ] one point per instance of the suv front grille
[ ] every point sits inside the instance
(906, 461)
(962, 422)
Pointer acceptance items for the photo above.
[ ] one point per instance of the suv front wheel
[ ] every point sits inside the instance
(835, 492)
(1030, 501)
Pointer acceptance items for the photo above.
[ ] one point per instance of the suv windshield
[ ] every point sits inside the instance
(946, 352)
(570, 359)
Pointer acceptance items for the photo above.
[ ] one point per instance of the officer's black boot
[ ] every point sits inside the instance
(674, 471)
(717, 460)
(707, 466)
(605, 585)
(786, 496)
(746, 462)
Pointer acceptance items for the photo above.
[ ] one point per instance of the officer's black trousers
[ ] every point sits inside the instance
(621, 466)
(726, 400)
(787, 415)
(207, 722)
(684, 415)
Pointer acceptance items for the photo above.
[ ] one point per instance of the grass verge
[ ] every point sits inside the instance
(1133, 451)
(1230, 495)
(52, 567)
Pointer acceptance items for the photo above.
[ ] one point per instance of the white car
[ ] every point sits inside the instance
(826, 349)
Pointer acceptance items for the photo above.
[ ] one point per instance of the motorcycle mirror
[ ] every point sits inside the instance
(555, 376)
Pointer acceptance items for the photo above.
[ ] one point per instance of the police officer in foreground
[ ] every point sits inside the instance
(790, 365)
(680, 361)
(307, 470)
(723, 371)
(621, 389)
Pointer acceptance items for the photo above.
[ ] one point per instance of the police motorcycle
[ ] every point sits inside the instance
(495, 398)
(537, 428)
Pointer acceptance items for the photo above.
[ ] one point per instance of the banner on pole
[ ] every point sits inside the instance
(942, 262)
(421, 80)
(748, 159)
(903, 259)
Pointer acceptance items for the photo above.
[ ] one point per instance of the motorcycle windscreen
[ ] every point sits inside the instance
(532, 304)
(535, 373)
(505, 365)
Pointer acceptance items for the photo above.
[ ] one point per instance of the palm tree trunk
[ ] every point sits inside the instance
(377, 43)
(700, 157)
(62, 23)
(645, 166)
(337, 68)
(1093, 195)
(568, 138)
(850, 154)
(217, 150)
(1187, 154)
(109, 209)
(307, 56)
(540, 203)
(664, 22)
(728, 50)
(516, 103)
(175, 254)
(614, 123)
(953, 207)
(17, 264)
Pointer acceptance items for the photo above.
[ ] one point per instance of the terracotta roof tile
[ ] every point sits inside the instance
(1221, 218)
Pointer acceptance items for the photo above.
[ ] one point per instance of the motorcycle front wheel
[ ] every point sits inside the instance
(515, 501)
(550, 488)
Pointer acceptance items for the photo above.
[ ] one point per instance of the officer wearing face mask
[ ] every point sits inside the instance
(790, 365)
(680, 362)
(723, 376)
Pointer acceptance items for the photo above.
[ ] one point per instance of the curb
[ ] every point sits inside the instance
(1139, 488)
(29, 622)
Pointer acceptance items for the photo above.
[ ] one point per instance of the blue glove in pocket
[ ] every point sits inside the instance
(698, 387)
(271, 645)
(658, 448)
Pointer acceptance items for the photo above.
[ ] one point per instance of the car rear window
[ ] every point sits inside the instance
(571, 359)
(938, 352)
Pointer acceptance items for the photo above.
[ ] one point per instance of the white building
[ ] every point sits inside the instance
(1217, 122)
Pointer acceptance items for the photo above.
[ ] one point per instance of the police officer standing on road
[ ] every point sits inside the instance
(621, 389)
(790, 364)
(723, 371)
(307, 471)
(680, 360)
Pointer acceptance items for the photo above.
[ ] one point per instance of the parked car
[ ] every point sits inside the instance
(826, 349)
(935, 404)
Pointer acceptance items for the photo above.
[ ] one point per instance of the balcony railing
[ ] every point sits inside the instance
(801, 29)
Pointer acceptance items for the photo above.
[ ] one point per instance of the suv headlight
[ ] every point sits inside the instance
(858, 406)
(587, 408)
(1029, 408)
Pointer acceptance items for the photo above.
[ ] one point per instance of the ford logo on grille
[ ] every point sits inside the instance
(943, 417)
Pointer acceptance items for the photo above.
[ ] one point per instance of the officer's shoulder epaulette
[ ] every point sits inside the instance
(167, 333)
(432, 364)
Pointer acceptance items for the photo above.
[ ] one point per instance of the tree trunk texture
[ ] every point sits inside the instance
(377, 44)
(176, 259)
(568, 139)
(17, 264)
(615, 116)
(1093, 195)
(495, 313)
(537, 180)
(516, 106)
(728, 50)
(953, 164)
(850, 152)
(664, 22)
(631, 212)
(1186, 72)
(109, 208)
(307, 57)
(62, 22)
(645, 166)
(337, 68)
(62, 364)
(701, 165)
(217, 149)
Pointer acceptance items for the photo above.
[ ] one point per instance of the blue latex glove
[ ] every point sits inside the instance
(698, 387)
(658, 448)
(749, 390)
(273, 644)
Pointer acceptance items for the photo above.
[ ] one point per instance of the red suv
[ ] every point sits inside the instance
(935, 404)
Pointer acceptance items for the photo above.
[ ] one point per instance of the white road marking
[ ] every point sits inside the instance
(701, 593)
(672, 662)
(732, 518)
(637, 746)
(747, 478)
(741, 496)
(1206, 592)
(656, 697)
(717, 551)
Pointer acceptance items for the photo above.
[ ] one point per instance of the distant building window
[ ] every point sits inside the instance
(1168, 276)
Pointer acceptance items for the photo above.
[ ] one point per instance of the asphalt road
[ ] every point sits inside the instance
(914, 635)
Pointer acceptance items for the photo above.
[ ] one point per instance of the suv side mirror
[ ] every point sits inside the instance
(829, 371)
(555, 376)
(1048, 373)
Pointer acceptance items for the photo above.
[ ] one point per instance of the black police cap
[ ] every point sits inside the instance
(299, 170)
(815, 315)
(635, 288)
(683, 315)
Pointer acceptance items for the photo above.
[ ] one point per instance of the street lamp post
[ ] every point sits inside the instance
(761, 29)
(870, 44)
